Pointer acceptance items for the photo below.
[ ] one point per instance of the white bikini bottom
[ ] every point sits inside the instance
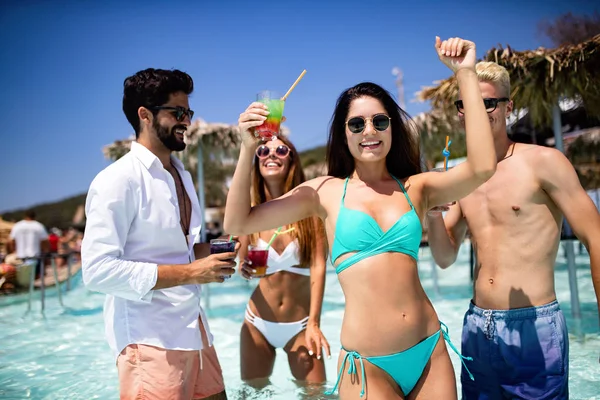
(278, 334)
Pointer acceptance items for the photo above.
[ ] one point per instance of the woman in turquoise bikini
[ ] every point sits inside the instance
(372, 203)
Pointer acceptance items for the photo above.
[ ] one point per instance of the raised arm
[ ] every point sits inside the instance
(559, 179)
(445, 235)
(297, 204)
(460, 56)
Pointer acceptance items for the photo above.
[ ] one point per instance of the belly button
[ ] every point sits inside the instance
(516, 209)
(491, 280)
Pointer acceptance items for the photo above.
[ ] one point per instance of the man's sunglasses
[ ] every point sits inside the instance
(264, 151)
(490, 104)
(357, 124)
(178, 112)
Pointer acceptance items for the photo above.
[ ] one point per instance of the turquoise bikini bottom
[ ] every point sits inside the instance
(405, 367)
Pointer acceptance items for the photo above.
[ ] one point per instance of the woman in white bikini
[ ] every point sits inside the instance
(285, 309)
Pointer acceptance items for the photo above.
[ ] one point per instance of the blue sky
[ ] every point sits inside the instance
(64, 62)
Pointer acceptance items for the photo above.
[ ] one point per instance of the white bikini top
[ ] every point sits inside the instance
(285, 261)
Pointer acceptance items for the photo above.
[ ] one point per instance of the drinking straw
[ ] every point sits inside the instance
(230, 238)
(285, 96)
(278, 232)
(274, 236)
(446, 152)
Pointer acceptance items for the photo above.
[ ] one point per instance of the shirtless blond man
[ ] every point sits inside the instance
(514, 328)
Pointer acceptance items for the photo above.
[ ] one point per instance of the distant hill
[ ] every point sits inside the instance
(313, 156)
(57, 214)
(60, 213)
(313, 162)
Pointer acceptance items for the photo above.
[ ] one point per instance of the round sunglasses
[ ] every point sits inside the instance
(358, 124)
(264, 151)
(178, 112)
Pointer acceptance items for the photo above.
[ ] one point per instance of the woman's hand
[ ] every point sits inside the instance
(315, 340)
(246, 270)
(456, 53)
(437, 211)
(254, 116)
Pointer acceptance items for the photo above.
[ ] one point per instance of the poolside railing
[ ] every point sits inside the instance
(32, 262)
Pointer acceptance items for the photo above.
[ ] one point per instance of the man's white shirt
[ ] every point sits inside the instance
(28, 236)
(132, 226)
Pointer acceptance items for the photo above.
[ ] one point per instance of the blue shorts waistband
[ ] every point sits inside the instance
(517, 313)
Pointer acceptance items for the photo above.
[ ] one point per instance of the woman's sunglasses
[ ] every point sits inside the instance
(264, 151)
(178, 112)
(357, 124)
(490, 104)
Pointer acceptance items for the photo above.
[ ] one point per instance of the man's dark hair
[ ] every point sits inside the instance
(151, 88)
(30, 214)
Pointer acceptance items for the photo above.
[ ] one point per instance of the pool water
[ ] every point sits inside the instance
(63, 354)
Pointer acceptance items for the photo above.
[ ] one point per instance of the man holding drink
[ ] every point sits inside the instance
(141, 249)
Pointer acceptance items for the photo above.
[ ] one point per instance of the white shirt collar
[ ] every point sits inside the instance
(148, 158)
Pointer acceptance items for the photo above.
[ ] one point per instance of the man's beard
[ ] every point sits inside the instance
(167, 136)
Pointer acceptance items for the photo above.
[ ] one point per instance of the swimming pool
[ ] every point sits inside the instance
(63, 354)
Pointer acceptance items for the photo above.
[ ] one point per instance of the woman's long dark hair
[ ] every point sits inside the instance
(402, 161)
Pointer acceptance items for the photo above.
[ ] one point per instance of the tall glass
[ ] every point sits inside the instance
(270, 128)
(259, 259)
(218, 246)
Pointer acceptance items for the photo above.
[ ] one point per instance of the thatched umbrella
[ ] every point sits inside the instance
(539, 79)
(436, 122)
(432, 128)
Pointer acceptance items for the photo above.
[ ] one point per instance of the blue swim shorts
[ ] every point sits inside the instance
(517, 354)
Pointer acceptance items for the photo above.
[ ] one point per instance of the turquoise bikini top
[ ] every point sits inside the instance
(358, 231)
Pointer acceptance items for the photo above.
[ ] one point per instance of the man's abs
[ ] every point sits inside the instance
(515, 227)
(514, 269)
